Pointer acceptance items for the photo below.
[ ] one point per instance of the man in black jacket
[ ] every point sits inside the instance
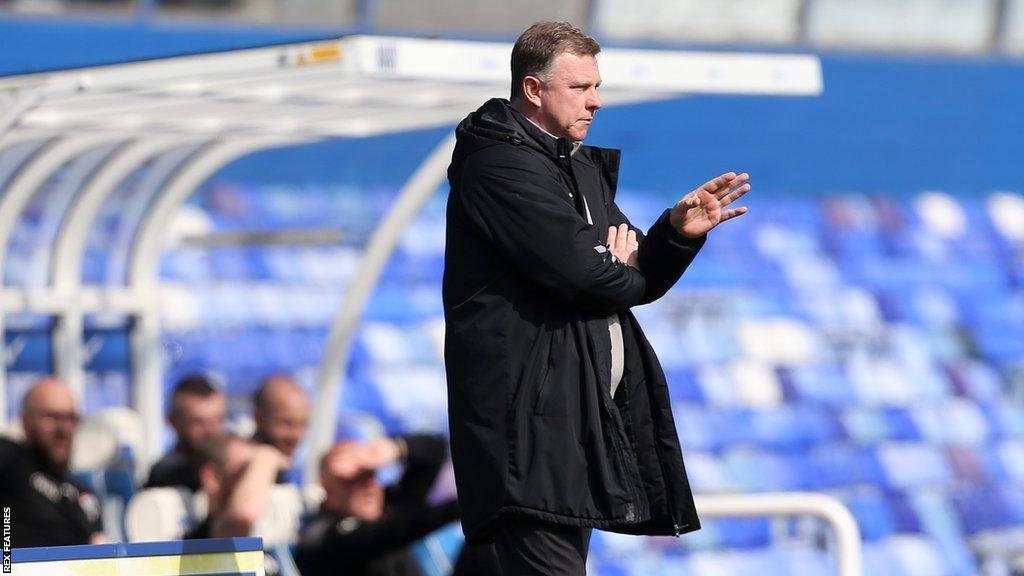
(558, 408)
(363, 529)
(47, 507)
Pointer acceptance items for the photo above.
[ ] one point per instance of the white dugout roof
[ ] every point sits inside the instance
(182, 119)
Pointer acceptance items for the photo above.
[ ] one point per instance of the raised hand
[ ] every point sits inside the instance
(623, 244)
(704, 208)
(355, 458)
(381, 452)
(348, 461)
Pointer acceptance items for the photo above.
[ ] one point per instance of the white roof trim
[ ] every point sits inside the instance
(358, 86)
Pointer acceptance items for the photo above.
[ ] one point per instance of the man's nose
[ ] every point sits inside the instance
(594, 100)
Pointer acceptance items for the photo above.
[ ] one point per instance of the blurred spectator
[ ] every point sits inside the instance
(364, 527)
(47, 507)
(198, 411)
(237, 477)
(281, 411)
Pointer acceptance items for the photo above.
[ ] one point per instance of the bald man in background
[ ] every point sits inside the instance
(47, 508)
(281, 411)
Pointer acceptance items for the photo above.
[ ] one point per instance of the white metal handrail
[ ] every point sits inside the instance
(822, 506)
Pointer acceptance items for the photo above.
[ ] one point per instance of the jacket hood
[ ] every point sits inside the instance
(497, 122)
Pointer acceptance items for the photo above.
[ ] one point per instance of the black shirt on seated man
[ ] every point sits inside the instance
(364, 529)
(47, 508)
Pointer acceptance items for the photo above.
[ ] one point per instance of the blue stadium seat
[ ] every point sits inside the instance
(909, 466)
(873, 514)
(683, 385)
(839, 464)
(823, 383)
(982, 507)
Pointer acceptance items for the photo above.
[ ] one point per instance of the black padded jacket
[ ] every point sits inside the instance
(528, 288)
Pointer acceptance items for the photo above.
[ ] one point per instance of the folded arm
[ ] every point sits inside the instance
(524, 211)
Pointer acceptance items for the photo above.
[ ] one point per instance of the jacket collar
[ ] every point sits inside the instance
(575, 146)
(497, 121)
(547, 142)
(552, 144)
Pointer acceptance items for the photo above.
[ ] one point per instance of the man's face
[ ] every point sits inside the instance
(196, 418)
(50, 423)
(284, 419)
(568, 97)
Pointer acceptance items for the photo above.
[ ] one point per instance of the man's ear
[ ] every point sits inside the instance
(531, 90)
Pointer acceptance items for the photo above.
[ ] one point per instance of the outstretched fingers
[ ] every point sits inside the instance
(714, 185)
(733, 212)
(735, 194)
(732, 185)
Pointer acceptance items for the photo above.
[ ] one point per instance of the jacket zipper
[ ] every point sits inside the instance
(565, 157)
(610, 413)
(563, 148)
(630, 507)
(669, 494)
